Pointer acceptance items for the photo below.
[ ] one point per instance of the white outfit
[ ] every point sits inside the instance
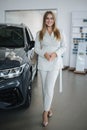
(49, 69)
(48, 83)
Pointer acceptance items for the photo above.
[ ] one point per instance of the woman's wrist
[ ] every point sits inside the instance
(55, 54)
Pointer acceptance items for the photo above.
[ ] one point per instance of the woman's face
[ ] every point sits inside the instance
(49, 21)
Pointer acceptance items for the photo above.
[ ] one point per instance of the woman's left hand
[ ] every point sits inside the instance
(53, 56)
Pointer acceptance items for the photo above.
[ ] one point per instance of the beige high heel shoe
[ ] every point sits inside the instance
(50, 113)
(45, 119)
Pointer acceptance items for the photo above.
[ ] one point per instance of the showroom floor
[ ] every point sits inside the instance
(69, 107)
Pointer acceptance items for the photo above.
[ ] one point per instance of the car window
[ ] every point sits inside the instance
(27, 36)
(30, 34)
(11, 36)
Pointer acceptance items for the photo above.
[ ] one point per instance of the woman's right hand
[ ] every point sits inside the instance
(47, 56)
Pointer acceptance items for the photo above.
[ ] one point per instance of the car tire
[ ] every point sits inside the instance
(28, 99)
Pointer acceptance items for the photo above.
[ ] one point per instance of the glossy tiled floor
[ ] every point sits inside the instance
(69, 107)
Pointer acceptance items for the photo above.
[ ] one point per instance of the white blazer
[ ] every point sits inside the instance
(50, 44)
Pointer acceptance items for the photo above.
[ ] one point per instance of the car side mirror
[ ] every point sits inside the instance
(31, 45)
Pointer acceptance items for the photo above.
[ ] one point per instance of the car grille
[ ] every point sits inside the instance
(11, 96)
(1, 80)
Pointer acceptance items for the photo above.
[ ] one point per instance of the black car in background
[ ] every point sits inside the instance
(17, 69)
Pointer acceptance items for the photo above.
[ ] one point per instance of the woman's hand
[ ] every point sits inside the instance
(53, 56)
(50, 56)
(47, 56)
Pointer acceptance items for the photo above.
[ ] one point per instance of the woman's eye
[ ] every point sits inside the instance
(49, 18)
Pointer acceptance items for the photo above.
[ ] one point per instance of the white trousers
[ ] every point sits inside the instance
(48, 83)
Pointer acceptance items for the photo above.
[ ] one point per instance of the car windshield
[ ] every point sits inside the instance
(11, 37)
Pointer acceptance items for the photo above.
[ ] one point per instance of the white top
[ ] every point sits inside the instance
(50, 44)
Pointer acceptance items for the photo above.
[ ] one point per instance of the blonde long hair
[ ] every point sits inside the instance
(54, 28)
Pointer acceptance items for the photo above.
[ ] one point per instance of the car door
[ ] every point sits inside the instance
(31, 53)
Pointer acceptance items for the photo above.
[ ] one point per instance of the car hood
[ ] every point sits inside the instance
(10, 58)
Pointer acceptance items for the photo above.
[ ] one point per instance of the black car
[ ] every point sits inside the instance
(17, 69)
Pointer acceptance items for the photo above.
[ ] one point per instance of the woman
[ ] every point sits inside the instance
(49, 45)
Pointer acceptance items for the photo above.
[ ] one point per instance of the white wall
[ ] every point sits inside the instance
(65, 7)
(33, 19)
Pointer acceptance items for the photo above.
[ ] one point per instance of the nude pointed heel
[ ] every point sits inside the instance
(45, 119)
(50, 113)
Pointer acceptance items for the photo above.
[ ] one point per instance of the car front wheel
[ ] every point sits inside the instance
(28, 98)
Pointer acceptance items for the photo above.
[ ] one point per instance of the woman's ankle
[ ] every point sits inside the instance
(45, 115)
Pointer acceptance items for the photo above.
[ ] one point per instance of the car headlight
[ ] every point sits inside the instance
(11, 73)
